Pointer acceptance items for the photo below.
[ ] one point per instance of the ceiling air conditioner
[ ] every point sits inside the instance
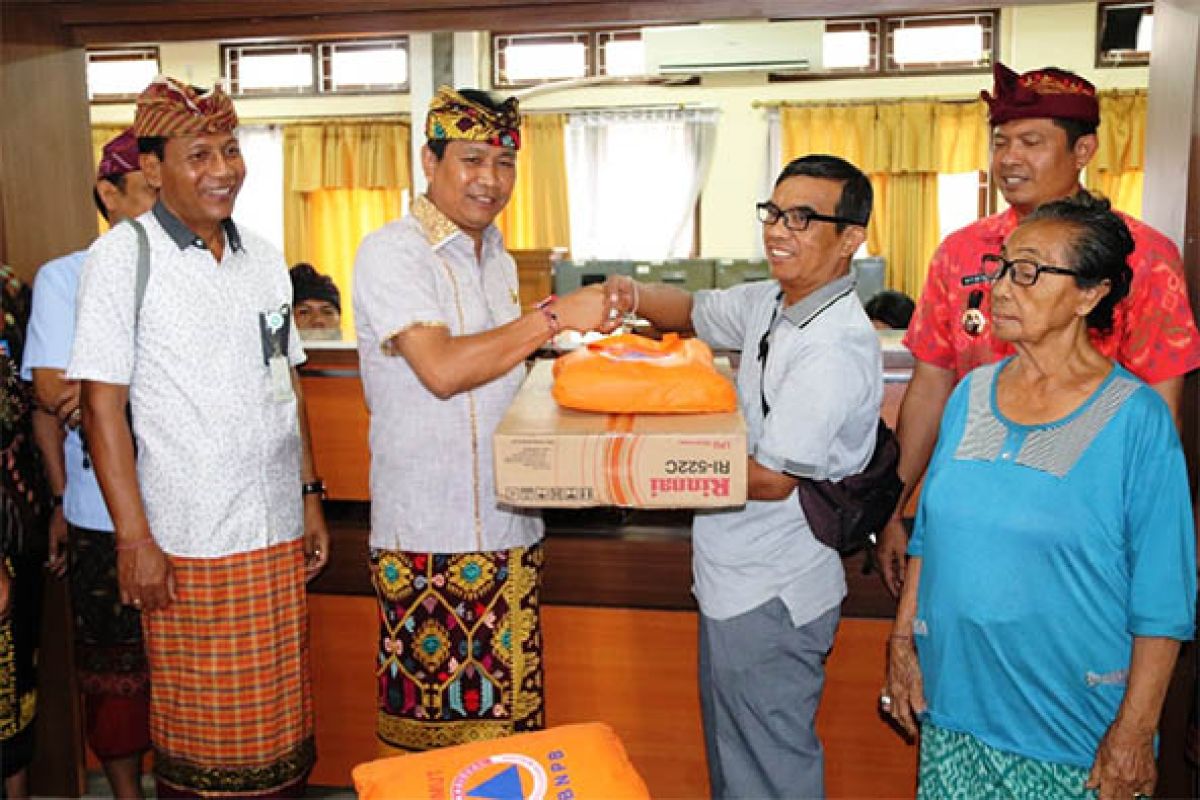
(734, 47)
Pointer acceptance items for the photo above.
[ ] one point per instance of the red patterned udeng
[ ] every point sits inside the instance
(168, 107)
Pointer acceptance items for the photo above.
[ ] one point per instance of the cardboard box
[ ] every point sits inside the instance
(552, 457)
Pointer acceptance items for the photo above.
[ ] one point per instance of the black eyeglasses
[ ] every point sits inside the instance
(1024, 272)
(795, 219)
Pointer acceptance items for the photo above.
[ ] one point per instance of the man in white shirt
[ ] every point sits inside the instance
(810, 383)
(442, 343)
(218, 518)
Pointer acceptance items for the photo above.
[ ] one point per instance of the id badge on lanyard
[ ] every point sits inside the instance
(274, 328)
(974, 321)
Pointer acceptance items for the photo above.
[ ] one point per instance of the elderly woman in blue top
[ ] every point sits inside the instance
(1052, 570)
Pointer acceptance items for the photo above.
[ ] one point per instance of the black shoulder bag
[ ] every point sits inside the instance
(846, 514)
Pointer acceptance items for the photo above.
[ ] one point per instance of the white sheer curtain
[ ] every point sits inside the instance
(260, 203)
(633, 179)
(772, 164)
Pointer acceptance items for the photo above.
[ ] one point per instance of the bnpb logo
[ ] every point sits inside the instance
(507, 776)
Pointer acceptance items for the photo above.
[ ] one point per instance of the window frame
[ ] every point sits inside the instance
(231, 54)
(1137, 58)
(602, 37)
(320, 52)
(324, 65)
(880, 28)
(593, 39)
(874, 27)
(991, 44)
(501, 41)
(147, 53)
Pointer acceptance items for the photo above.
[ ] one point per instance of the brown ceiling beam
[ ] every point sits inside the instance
(131, 11)
(468, 13)
(499, 17)
(184, 21)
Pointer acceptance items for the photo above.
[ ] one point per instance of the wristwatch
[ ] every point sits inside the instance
(313, 487)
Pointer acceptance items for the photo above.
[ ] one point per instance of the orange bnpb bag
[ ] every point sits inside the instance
(630, 374)
(570, 762)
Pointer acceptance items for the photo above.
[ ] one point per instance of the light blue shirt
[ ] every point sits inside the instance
(823, 385)
(48, 346)
(1045, 549)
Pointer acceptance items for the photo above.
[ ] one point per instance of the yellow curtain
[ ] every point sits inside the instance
(341, 181)
(537, 214)
(845, 131)
(1116, 171)
(900, 230)
(101, 135)
(902, 146)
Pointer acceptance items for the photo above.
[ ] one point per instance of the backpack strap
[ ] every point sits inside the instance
(143, 269)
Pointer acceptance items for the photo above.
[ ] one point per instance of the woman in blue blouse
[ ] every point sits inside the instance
(1053, 569)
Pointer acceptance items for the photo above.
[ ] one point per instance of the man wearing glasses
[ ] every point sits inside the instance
(1043, 134)
(809, 386)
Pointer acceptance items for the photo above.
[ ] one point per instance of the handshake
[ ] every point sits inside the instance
(600, 307)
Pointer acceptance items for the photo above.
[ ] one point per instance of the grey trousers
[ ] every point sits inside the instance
(760, 684)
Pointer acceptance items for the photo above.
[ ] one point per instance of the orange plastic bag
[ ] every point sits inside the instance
(570, 762)
(630, 374)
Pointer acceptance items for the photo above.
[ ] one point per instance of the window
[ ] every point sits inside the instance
(1125, 34)
(308, 68)
(620, 53)
(531, 58)
(851, 46)
(375, 66)
(609, 151)
(522, 59)
(958, 42)
(883, 46)
(268, 69)
(120, 75)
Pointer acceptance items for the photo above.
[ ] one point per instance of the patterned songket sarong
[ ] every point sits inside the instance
(957, 766)
(109, 656)
(18, 668)
(231, 707)
(460, 646)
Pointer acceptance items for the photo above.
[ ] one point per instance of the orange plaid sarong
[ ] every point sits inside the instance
(231, 706)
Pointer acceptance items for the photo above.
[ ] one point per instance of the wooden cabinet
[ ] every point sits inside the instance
(535, 272)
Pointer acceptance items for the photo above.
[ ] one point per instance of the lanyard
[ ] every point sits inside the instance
(764, 345)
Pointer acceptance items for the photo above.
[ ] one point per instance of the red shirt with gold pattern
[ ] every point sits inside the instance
(1154, 333)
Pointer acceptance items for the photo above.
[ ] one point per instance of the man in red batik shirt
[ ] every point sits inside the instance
(1043, 134)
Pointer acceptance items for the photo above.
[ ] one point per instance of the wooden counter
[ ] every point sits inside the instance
(619, 624)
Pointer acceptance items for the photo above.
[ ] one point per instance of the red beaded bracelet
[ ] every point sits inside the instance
(551, 317)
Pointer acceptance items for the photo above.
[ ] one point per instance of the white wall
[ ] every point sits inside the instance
(1031, 36)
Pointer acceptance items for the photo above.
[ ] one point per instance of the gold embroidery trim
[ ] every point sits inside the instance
(419, 736)
(462, 327)
(16, 708)
(436, 226)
